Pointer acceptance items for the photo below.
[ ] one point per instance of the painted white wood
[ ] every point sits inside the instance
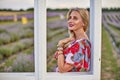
(95, 37)
(36, 38)
(26, 75)
(17, 76)
(41, 31)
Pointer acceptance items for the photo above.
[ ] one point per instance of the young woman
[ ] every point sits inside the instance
(74, 53)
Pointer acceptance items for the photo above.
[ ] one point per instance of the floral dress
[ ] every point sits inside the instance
(78, 54)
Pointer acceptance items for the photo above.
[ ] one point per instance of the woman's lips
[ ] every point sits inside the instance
(71, 25)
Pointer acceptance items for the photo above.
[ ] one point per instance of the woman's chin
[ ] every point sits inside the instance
(71, 28)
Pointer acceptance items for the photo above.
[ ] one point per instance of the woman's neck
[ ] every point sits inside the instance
(80, 34)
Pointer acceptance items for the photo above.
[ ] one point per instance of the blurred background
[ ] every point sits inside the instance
(16, 35)
(57, 30)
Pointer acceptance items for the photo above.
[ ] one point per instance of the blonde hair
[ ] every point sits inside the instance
(85, 18)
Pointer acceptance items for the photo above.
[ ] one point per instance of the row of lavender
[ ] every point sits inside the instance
(111, 21)
(16, 47)
(55, 13)
(29, 15)
(19, 16)
(112, 18)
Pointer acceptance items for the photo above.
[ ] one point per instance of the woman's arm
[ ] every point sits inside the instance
(62, 66)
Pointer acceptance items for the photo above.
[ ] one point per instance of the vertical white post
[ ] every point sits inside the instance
(41, 39)
(95, 36)
(36, 39)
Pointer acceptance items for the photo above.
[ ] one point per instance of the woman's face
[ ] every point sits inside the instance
(75, 21)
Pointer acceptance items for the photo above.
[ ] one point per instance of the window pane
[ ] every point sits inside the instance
(16, 36)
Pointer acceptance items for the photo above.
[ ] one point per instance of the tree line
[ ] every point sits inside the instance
(29, 9)
(63, 9)
(103, 9)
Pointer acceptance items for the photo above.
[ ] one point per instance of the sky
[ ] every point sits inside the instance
(25, 4)
(80, 3)
(16, 4)
(66, 4)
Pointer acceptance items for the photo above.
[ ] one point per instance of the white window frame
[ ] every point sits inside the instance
(95, 37)
(26, 75)
(40, 48)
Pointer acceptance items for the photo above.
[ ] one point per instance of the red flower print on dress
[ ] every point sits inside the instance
(76, 64)
(75, 48)
(66, 51)
(83, 51)
(79, 68)
(85, 64)
(88, 52)
(80, 51)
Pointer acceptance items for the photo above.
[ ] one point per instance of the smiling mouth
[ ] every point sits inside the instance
(71, 25)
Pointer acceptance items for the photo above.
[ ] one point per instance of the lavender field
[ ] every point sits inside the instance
(110, 46)
(7, 16)
(111, 22)
(16, 42)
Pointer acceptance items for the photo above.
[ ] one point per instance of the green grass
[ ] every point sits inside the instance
(53, 18)
(114, 28)
(12, 48)
(9, 62)
(2, 30)
(6, 52)
(1, 57)
(110, 69)
(117, 30)
(54, 33)
(29, 50)
(109, 17)
(8, 22)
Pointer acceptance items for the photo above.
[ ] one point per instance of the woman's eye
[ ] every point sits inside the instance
(75, 18)
(69, 18)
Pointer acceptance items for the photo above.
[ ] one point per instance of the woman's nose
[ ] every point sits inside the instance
(70, 20)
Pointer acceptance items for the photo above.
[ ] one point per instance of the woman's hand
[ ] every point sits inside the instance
(62, 66)
(62, 42)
